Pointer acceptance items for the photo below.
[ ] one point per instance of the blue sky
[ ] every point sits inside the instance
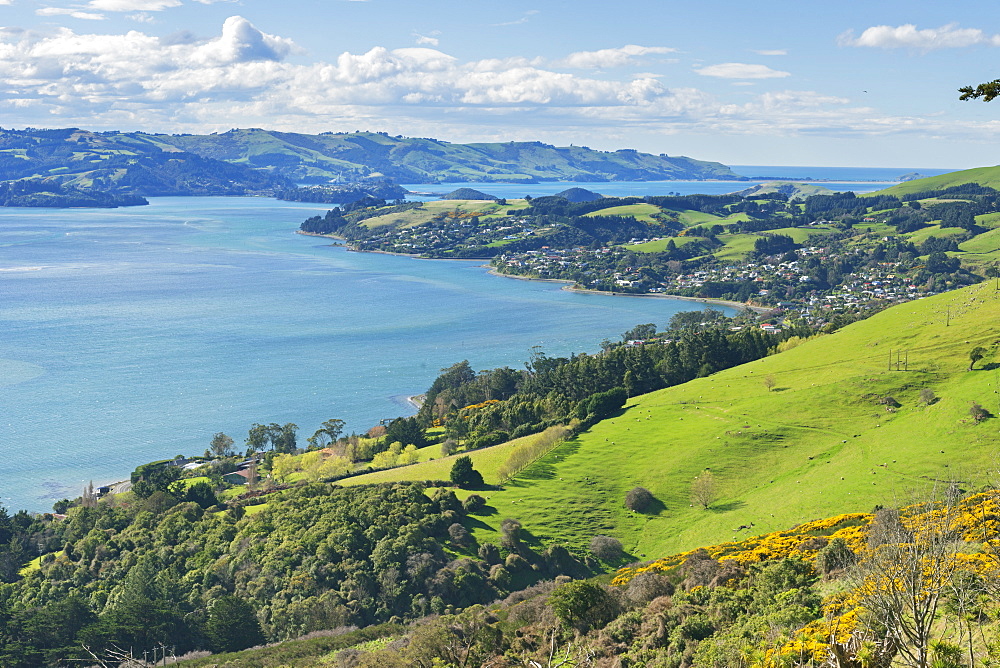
(766, 82)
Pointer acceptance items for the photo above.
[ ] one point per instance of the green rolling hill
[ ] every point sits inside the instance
(824, 440)
(985, 176)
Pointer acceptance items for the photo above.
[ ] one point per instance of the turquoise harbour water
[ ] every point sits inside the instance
(131, 335)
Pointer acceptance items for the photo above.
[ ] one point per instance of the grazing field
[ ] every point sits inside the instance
(659, 245)
(822, 440)
(987, 176)
(427, 210)
(643, 212)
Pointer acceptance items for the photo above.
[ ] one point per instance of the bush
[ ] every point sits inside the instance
(474, 503)
(638, 499)
(606, 548)
(510, 534)
(978, 413)
(459, 534)
(581, 604)
(836, 556)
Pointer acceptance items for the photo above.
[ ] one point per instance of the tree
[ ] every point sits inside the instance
(975, 355)
(988, 91)
(464, 475)
(640, 332)
(580, 604)
(703, 491)
(232, 625)
(222, 445)
(769, 382)
(927, 396)
(328, 433)
(201, 493)
(156, 478)
(904, 575)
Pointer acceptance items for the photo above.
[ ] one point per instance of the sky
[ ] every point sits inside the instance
(769, 82)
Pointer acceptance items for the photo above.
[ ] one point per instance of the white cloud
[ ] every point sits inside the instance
(242, 42)
(908, 36)
(524, 19)
(427, 40)
(771, 52)
(741, 71)
(133, 5)
(75, 13)
(606, 58)
(242, 77)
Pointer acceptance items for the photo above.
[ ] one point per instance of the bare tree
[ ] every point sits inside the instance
(703, 489)
(904, 576)
(769, 382)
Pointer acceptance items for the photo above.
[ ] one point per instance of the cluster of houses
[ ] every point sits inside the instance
(777, 283)
(446, 234)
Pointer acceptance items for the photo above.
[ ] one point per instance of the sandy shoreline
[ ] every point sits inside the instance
(570, 288)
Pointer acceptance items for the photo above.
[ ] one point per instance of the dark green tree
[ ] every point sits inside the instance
(988, 91)
(201, 493)
(232, 625)
(464, 475)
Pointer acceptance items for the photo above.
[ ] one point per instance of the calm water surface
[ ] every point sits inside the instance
(135, 334)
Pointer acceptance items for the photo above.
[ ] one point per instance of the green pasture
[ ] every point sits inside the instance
(987, 242)
(921, 235)
(643, 212)
(811, 447)
(987, 176)
(659, 245)
(426, 211)
(486, 460)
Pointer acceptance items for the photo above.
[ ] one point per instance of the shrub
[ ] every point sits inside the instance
(581, 604)
(978, 413)
(606, 548)
(459, 534)
(510, 534)
(644, 587)
(474, 503)
(638, 499)
(836, 556)
(927, 396)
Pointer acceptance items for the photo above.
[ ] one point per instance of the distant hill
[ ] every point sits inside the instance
(348, 156)
(579, 195)
(468, 194)
(70, 163)
(790, 188)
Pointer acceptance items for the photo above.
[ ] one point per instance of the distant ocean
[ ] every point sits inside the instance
(854, 179)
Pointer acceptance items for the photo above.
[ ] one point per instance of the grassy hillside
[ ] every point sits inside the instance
(817, 444)
(987, 176)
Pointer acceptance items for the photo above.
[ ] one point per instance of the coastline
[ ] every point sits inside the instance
(570, 288)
